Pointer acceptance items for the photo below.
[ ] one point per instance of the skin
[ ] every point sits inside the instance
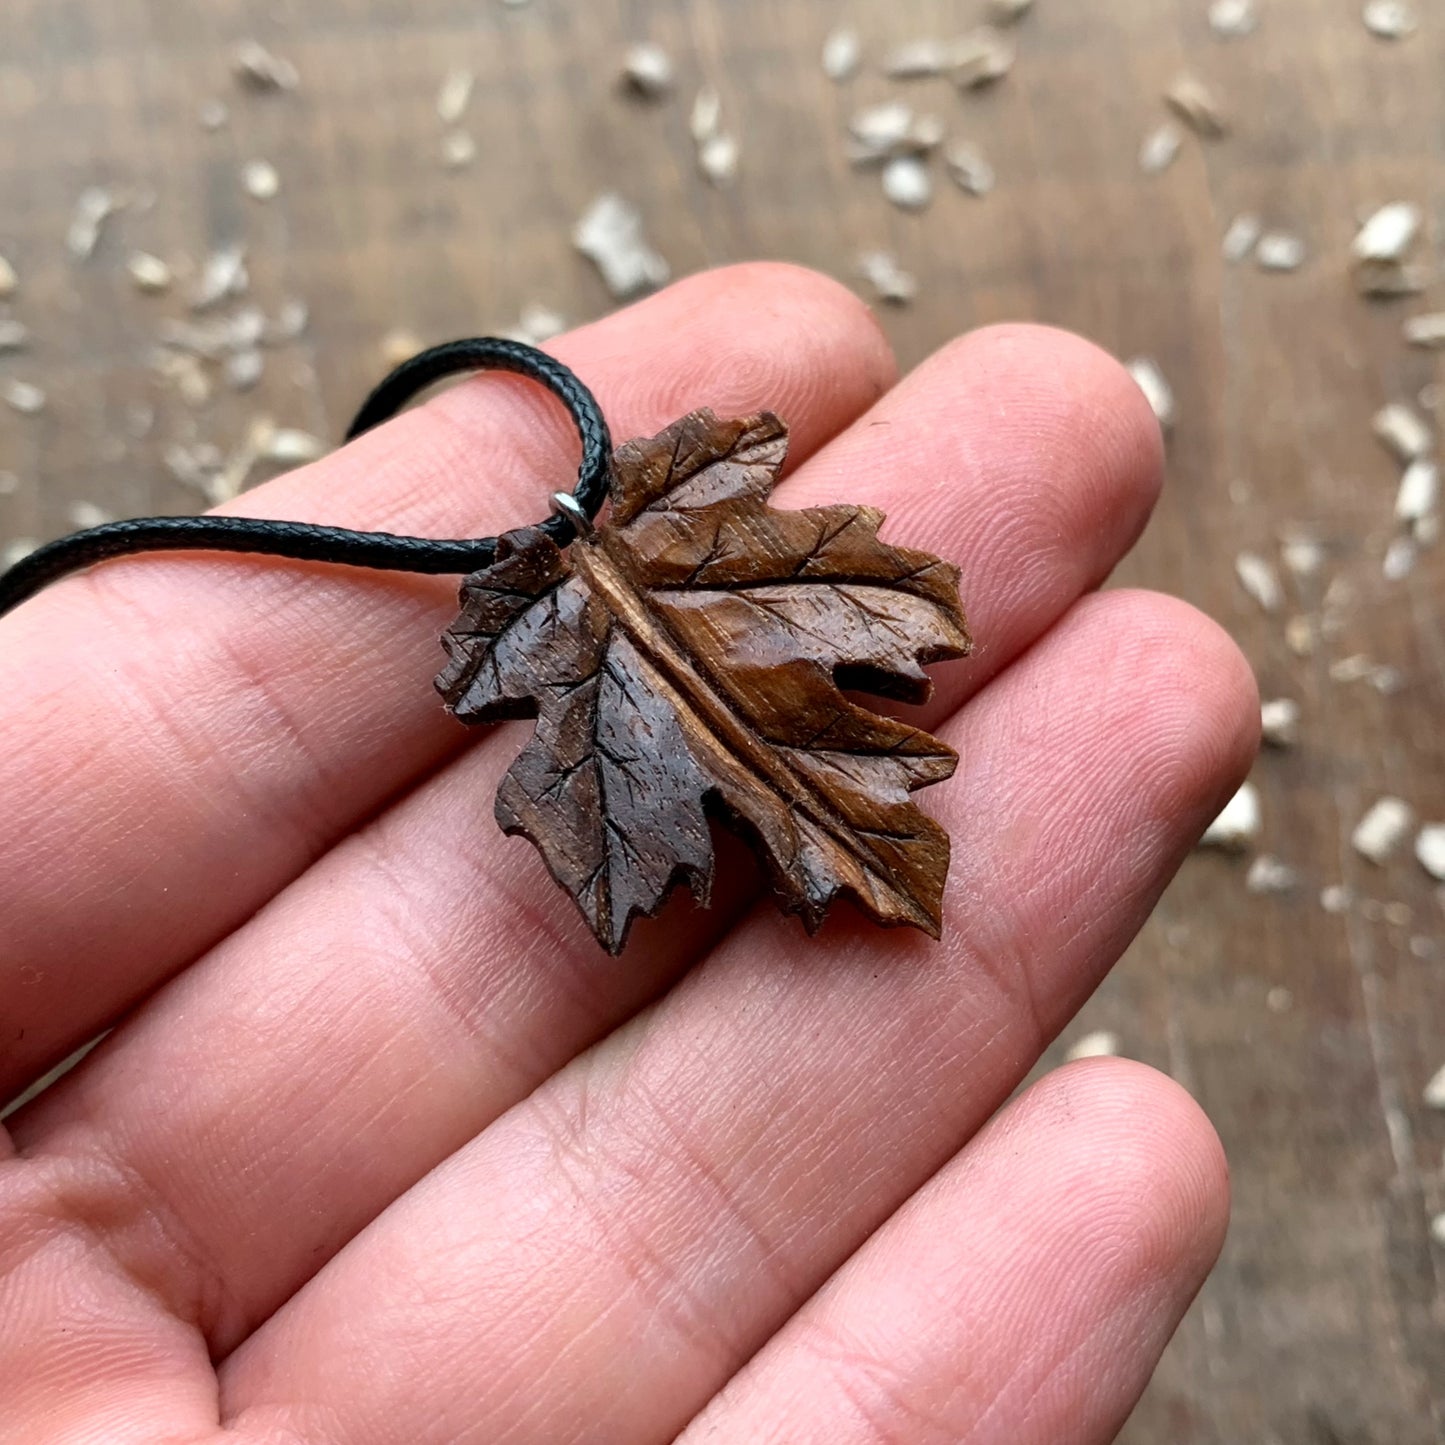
(384, 1149)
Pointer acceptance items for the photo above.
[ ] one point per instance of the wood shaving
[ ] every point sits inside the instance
(1267, 874)
(1241, 237)
(227, 476)
(1355, 668)
(538, 324)
(459, 150)
(261, 180)
(1399, 560)
(244, 368)
(969, 168)
(981, 59)
(93, 209)
(1430, 851)
(1157, 391)
(1381, 831)
(1233, 19)
(1302, 554)
(717, 159)
(717, 151)
(1279, 1000)
(455, 95)
(256, 68)
(22, 396)
(1388, 233)
(287, 446)
(1279, 722)
(1238, 823)
(1195, 104)
(14, 335)
(186, 374)
(1160, 148)
(1402, 431)
(884, 132)
(149, 273)
(17, 551)
(84, 515)
(647, 71)
(195, 467)
(223, 276)
(1008, 12)
(1390, 19)
(9, 279)
(398, 346)
(842, 54)
(705, 118)
(290, 323)
(1259, 580)
(882, 128)
(1390, 278)
(884, 274)
(1335, 898)
(917, 60)
(1101, 1044)
(1339, 596)
(1279, 251)
(218, 336)
(213, 115)
(907, 184)
(1427, 331)
(1419, 493)
(1434, 1093)
(610, 235)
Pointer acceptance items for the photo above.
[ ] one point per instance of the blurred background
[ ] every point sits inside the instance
(220, 223)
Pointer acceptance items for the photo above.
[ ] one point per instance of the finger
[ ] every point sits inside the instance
(1025, 454)
(436, 971)
(239, 714)
(1022, 1297)
(674, 1195)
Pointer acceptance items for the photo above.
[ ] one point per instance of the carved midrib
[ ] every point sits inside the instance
(684, 676)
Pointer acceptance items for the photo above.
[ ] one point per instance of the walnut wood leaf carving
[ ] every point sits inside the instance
(694, 652)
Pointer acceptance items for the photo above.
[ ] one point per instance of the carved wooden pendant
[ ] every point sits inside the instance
(691, 654)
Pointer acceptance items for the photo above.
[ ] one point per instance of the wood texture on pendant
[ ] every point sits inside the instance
(693, 654)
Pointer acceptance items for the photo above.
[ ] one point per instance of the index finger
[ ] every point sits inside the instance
(182, 735)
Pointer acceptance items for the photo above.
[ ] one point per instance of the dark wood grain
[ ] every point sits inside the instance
(687, 656)
(1307, 1036)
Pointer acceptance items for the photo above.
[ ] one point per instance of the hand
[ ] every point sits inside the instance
(384, 1150)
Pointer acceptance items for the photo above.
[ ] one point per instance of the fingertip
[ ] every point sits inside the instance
(1082, 415)
(1203, 692)
(1142, 1166)
(771, 335)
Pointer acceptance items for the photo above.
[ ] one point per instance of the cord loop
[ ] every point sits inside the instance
(381, 550)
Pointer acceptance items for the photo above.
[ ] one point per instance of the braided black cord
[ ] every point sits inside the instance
(308, 543)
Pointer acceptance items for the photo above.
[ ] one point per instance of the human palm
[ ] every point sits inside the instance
(383, 1150)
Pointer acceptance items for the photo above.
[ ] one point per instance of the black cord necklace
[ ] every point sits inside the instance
(686, 660)
(382, 550)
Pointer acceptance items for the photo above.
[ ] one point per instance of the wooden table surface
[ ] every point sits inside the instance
(1307, 1035)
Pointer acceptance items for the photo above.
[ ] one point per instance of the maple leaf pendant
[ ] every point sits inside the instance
(692, 653)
